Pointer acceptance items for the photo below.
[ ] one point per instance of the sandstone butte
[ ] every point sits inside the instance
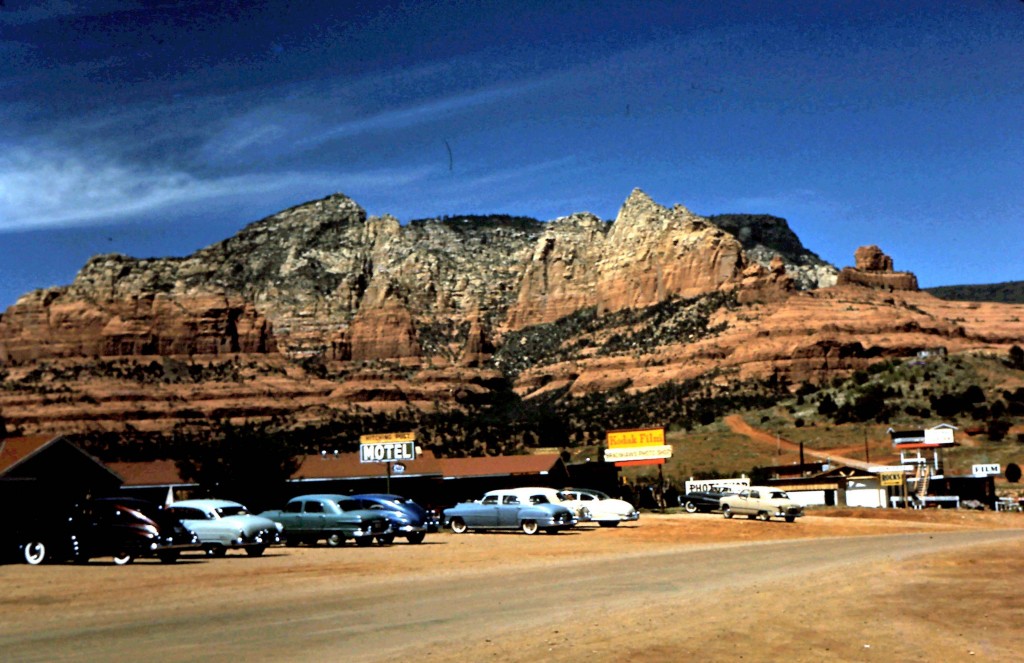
(412, 315)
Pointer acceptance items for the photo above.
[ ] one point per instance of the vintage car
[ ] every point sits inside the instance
(331, 518)
(703, 500)
(122, 528)
(594, 506)
(224, 525)
(528, 509)
(761, 502)
(407, 518)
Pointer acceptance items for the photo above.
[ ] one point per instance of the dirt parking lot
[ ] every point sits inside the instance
(942, 588)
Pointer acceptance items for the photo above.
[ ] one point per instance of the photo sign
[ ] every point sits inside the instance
(636, 444)
(387, 447)
(716, 485)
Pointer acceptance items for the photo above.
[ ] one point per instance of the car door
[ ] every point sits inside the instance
(314, 516)
(750, 501)
(485, 514)
(508, 511)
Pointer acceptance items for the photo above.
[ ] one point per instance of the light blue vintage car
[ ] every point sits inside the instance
(528, 509)
(222, 525)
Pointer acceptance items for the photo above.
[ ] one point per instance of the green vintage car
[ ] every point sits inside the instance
(330, 518)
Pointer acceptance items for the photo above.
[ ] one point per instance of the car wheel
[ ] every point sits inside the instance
(584, 514)
(690, 507)
(726, 511)
(458, 526)
(215, 550)
(123, 558)
(415, 537)
(386, 540)
(169, 557)
(529, 526)
(790, 519)
(255, 551)
(363, 541)
(765, 516)
(609, 523)
(335, 539)
(34, 552)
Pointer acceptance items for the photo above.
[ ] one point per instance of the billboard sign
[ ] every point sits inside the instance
(891, 478)
(939, 436)
(387, 447)
(636, 444)
(986, 469)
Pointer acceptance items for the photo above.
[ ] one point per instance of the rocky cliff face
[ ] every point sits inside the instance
(321, 308)
(766, 237)
(323, 278)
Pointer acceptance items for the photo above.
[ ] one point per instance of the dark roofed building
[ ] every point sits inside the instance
(52, 467)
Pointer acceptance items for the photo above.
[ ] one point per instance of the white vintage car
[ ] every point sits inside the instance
(223, 525)
(761, 502)
(595, 506)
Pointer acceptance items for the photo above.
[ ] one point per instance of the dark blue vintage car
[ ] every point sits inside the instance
(408, 518)
(515, 508)
(703, 500)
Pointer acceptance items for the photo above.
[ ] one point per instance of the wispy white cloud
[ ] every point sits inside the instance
(64, 189)
(424, 112)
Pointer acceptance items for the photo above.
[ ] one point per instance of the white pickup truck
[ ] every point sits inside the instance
(761, 502)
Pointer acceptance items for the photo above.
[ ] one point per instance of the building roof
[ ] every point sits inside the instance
(485, 466)
(55, 461)
(149, 473)
(324, 466)
(13, 450)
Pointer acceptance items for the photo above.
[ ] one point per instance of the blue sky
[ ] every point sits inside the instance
(156, 128)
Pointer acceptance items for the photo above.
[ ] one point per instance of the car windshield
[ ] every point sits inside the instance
(225, 511)
(349, 505)
(538, 499)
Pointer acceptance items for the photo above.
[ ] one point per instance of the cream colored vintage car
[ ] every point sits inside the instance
(761, 502)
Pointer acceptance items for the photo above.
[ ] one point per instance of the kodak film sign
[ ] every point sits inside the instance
(636, 444)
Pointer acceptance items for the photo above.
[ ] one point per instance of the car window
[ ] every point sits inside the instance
(349, 505)
(226, 511)
(779, 495)
(755, 494)
(293, 507)
(187, 513)
(510, 499)
(490, 499)
(314, 507)
(585, 497)
(539, 499)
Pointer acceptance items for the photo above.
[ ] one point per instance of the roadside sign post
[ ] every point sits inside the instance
(387, 448)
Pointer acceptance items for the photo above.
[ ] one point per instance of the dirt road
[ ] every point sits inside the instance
(672, 588)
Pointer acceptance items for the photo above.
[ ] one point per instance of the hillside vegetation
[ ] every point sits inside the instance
(1010, 292)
